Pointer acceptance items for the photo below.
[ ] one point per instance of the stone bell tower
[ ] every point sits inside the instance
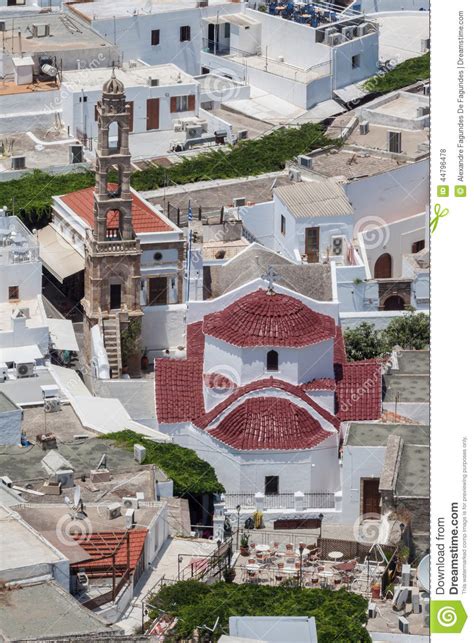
(112, 252)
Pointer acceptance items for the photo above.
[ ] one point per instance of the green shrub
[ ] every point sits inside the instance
(189, 473)
(404, 74)
(340, 616)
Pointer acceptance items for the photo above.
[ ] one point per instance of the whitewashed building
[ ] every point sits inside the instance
(263, 390)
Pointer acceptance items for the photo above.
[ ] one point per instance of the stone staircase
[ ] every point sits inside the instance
(111, 332)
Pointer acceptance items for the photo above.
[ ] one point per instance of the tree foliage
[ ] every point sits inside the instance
(404, 74)
(340, 616)
(410, 332)
(30, 197)
(189, 473)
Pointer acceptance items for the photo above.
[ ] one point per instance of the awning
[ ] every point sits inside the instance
(61, 332)
(350, 93)
(234, 19)
(60, 258)
(20, 354)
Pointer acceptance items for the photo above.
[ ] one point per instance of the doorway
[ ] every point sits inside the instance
(370, 496)
(153, 113)
(394, 302)
(311, 244)
(115, 296)
(383, 267)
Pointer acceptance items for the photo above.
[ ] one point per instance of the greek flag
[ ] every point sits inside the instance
(190, 212)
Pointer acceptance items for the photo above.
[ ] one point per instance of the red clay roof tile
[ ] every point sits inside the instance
(264, 318)
(144, 218)
(269, 423)
(101, 545)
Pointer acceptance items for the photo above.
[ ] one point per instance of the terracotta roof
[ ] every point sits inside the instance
(217, 380)
(101, 545)
(320, 385)
(359, 390)
(144, 218)
(269, 423)
(259, 385)
(263, 318)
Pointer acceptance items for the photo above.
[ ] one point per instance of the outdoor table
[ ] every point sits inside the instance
(252, 568)
(291, 571)
(326, 577)
(262, 548)
(335, 555)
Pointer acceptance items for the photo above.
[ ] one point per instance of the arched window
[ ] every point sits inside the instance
(113, 136)
(113, 226)
(383, 267)
(272, 361)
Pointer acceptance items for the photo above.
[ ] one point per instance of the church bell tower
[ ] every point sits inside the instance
(112, 251)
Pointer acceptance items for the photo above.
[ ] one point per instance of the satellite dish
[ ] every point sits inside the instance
(423, 573)
(67, 500)
(77, 495)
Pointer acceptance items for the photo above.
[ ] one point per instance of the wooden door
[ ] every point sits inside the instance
(153, 113)
(370, 496)
(312, 244)
(383, 267)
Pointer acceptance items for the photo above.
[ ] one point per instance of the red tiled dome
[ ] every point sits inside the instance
(269, 423)
(269, 319)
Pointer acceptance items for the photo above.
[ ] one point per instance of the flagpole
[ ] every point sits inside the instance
(190, 239)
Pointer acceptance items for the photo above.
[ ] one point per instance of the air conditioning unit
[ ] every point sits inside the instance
(239, 202)
(335, 39)
(25, 369)
(422, 111)
(40, 31)
(3, 372)
(329, 32)
(193, 131)
(129, 518)
(114, 510)
(395, 142)
(153, 82)
(348, 33)
(242, 134)
(281, 59)
(337, 246)
(130, 502)
(82, 580)
(426, 90)
(18, 162)
(52, 405)
(295, 175)
(305, 161)
(362, 29)
(201, 4)
(364, 127)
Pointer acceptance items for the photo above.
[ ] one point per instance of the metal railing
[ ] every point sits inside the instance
(311, 500)
(219, 49)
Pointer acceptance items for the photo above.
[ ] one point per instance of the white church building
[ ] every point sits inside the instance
(264, 389)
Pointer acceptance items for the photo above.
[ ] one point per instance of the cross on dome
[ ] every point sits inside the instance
(270, 276)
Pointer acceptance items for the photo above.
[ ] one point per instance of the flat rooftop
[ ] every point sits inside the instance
(377, 139)
(104, 9)
(66, 33)
(413, 362)
(352, 164)
(401, 105)
(52, 613)
(414, 471)
(407, 388)
(6, 405)
(41, 147)
(283, 69)
(401, 33)
(94, 79)
(365, 434)
(212, 195)
(24, 546)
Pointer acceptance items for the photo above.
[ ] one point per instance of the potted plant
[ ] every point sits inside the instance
(375, 590)
(229, 574)
(144, 360)
(244, 545)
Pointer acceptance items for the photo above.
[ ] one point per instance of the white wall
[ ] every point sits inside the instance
(390, 196)
(354, 296)
(36, 108)
(296, 365)
(396, 239)
(163, 327)
(25, 275)
(259, 221)
(81, 115)
(310, 470)
(373, 6)
(367, 48)
(358, 462)
(158, 532)
(10, 427)
(133, 35)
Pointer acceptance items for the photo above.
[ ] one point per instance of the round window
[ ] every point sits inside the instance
(157, 256)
